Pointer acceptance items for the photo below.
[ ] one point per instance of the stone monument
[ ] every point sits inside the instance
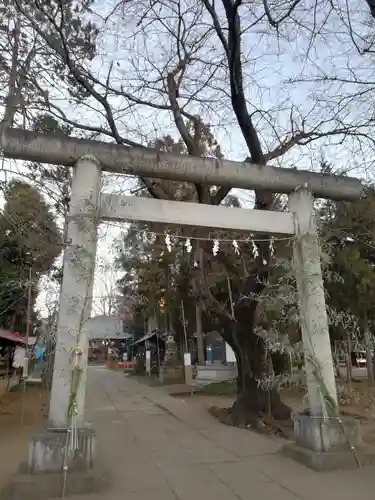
(172, 370)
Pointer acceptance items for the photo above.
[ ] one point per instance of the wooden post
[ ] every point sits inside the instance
(187, 355)
(198, 307)
(349, 366)
(230, 296)
(368, 344)
(184, 325)
(26, 360)
(147, 361)
(158, 354)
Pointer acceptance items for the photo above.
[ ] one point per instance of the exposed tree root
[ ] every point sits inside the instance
(244, 416)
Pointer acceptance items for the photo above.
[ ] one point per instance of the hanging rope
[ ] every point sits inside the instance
(73, 405)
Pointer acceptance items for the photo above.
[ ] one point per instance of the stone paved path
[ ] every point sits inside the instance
(160, 448)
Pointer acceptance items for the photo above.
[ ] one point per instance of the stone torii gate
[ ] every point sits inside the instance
(88, 206)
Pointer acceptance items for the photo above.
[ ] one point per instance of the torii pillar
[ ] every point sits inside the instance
(319, 367)
(76, 290)
(324, 439)
(61, 458)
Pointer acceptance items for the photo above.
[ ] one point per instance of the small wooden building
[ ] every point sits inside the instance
(9, 341)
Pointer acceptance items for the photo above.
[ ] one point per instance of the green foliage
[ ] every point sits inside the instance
(152, 276)
(29, 239)
(348, 257)
(27, 220)
(226, 388)
(155, 279)
(349, 237)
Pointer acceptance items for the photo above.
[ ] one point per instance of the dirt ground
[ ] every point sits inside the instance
(14, 435)
(357, 400)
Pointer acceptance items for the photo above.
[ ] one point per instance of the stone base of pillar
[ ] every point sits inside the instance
(324, 445)
(189, 375)
(172, 374)
(47, 451)
(42, 476)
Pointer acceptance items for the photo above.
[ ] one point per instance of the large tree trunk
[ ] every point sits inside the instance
(255, 395)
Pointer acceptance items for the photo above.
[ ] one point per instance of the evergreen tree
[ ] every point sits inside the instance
(30, 241)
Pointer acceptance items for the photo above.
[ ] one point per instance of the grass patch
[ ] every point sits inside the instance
(225, 388)
(17, 387)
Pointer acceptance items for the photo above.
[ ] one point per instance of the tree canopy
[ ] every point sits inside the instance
(348, 230)
(30, 241)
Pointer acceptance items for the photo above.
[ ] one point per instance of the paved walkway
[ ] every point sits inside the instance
(160, 448)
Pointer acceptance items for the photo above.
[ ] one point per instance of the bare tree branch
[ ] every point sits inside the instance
(371, 4)
(275, 23)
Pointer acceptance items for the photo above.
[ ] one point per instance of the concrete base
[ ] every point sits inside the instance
(318, 434)
(326, 444)
(217, 372)
(172, 374)
(188, 375)
(42, 477)
(47, 451)
(33, 380)
(325, 461)
(50, 485)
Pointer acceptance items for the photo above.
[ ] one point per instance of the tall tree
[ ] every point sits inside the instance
(29, 240)
(349, 232)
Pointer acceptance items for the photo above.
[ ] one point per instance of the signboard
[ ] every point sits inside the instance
(229, 354)
(187, 359)
(148, 362)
